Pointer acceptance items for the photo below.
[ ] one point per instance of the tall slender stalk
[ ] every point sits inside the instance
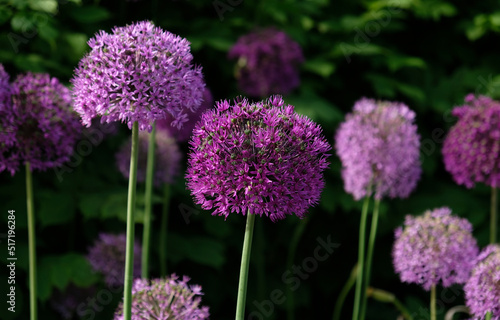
(31, 241)
(388, 297)
(245, 261)
(488, 316)
(433, 302)
(361, 259)
(163, 231)
(493, 216)
(369, 256)
(131, 202)
(292, 248)
(146, 235)
(344, 292)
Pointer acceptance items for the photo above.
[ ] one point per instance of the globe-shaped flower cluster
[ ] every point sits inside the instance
(434, 248)
(107, 256)
(268, 61)
(378, 146)
(261, 158)
(471, 150)
(482, 290)
(37, 123)
(167, 158)
(137, 73)
(164, 299)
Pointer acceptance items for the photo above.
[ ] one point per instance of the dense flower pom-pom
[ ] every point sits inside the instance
(167, 158)
(38, 124)
(482, 290)
(261, 158)
(183, 134)
(268, 61)
(7, 131)
(471, 150)
(164, 299)
(378, 146)
(107, 256)
(435, 247)
(137, 73)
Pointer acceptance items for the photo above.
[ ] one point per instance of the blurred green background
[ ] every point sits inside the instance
(426, 53)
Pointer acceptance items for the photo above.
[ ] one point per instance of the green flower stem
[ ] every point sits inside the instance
(245, 261)
(387, 297)
(146, 235)
(129, 256)
(454, 310)
(369, 255)
(163, 231)
(259, 259)
(493, 222)
(31, 241)
(488, 316)
(292, 248)
(344, 292)
(361, 260)
(433, 302)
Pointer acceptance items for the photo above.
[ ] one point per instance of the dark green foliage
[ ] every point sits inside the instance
(428, 54)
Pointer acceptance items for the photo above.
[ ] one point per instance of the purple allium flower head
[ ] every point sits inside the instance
(137, 73)
(167, 158)
(268, 61)
(434, 247)
(482, 290)
(7, 129)
(258, 157)
(164, 299)
(67, 303)
(107, 256)
(471, 150)
(38, 124)
(184, 133)
(378, 146)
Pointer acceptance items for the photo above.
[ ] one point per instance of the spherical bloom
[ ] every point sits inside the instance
(41, 127)
(68, 303)
(167, 158)
(184, 133)
(137, 73)
(268, 61)
(482, 289)
(435, 247)
(378, 146)
(7, 131)
(107, 256)
(164, 299)
(471, 150)
(260, 158)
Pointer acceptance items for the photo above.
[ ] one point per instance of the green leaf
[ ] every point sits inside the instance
(55, 208)
(321, 67)
(89, 14)
(115, 206)
(202, 250)
(22, 22)
(90, 205)
(5, 14)
(49, 6)
(48, 32)
(397, 62)
(81, 273)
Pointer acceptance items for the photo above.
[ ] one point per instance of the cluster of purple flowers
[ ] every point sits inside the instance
(471, 150)
(138, 73)
(482, 290)
(37, 122)
(167, 158)
(164, 299)
(268, 61)
(378, 146)
(434, 248)
(261, 158)
(107, 256)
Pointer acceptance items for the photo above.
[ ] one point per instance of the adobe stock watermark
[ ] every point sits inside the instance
(93, 136)
(223, 6)
(293, 278)
(29, 27)
(371, 29)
